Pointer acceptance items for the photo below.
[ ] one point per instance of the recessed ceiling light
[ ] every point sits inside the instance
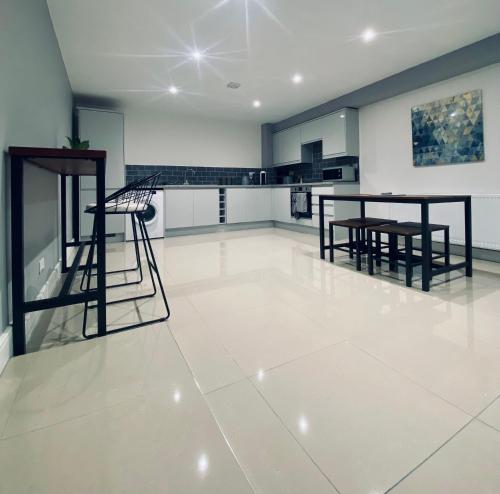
(256, 104)
(173, 90)
(368, 35)
(196, 55)
(297, 78)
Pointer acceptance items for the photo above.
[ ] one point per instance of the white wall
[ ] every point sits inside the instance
(386, 145)
(386, 153)
(158, 138)
(35, 110)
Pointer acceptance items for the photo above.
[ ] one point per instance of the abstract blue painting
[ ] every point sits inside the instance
(449, 130)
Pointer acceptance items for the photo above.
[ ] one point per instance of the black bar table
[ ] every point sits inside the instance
(64, 162)
(424, 201)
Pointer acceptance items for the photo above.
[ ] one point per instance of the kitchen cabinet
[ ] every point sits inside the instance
(205, 207)
(312, 131)
(291, 145)
(185, 208)
(287, 146)
(281, 204)
(104, 129)
(246, 205)
(276, 148)
(341, 133)
(179, 208)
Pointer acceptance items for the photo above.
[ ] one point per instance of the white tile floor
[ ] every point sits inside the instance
(277, 373)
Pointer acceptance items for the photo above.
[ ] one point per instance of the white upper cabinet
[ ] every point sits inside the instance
(341, 133)
(104, 129)
(291, 145)
(287, 146)
(338, 131)
(312, 131)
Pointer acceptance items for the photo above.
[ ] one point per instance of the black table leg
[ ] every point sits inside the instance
(101, 248)
(322, 227)
(426, 247)
(468, 237)
(75, 208)
(17, 234)
(64, 233)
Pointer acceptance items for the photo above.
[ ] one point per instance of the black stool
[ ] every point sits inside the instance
(408, 230)
(133, 200)
(358, 225)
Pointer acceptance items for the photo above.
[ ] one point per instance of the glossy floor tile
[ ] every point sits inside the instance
(467, 464)
(268, 453)
(276, 373)
(365, 425)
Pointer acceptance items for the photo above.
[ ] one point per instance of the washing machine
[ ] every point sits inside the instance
(154, 217)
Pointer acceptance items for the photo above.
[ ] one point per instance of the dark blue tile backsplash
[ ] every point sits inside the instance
(196, 175)
(205, 175)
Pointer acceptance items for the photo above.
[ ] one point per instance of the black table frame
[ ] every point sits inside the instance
(428, 271)
(19, 157)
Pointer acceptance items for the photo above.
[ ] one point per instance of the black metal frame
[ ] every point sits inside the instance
(428, 272)
(20, 307)
(132, 200)
(153, 270)
(408, 259)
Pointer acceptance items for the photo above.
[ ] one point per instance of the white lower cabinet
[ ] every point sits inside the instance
(205, 207)
(186, 208)
(246, 205)
(281, 204)
(179, 208)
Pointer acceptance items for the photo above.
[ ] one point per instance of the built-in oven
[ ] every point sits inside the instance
(339, 174)
(301, 202)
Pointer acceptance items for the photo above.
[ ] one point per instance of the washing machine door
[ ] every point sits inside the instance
(150, 216)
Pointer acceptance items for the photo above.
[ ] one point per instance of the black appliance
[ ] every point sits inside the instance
(301, 202)
(340, 173)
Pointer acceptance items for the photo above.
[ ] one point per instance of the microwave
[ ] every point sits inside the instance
(339, 174)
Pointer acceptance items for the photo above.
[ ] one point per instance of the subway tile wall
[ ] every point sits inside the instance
(197, 175)
(204, 175)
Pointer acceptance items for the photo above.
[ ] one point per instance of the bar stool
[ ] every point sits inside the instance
(408, 230)
(133, 200)
(358, 225)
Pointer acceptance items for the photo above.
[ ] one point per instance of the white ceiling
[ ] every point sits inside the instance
(133, 50)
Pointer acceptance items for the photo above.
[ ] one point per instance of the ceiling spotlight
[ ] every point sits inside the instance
(368, 35)
(196, 55)
(297, 79)
(173, 90)
(256, 103)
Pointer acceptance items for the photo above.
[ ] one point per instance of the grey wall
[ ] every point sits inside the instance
(35, 110)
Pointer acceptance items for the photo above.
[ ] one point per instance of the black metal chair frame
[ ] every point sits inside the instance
(132, 199)
(357, 245)
(404, 255)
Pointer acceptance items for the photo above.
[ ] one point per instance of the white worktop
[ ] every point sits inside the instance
(216, 186)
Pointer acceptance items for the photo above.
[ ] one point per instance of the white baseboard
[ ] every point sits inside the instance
(32, 318)
(5, 347)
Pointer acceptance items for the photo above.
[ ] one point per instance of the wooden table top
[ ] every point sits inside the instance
(401, 198)
(62, 161)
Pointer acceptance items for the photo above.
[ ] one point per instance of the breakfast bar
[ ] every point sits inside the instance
(424, 201)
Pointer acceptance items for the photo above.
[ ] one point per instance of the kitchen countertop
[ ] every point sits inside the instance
(215, 186)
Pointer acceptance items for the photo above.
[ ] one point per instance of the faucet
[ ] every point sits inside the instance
(186, 181)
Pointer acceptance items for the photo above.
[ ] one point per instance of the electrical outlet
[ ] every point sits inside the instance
(41, 265)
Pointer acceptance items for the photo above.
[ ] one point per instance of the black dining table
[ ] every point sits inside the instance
(424, 201)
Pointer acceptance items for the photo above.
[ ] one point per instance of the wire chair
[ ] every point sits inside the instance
(133, 200)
